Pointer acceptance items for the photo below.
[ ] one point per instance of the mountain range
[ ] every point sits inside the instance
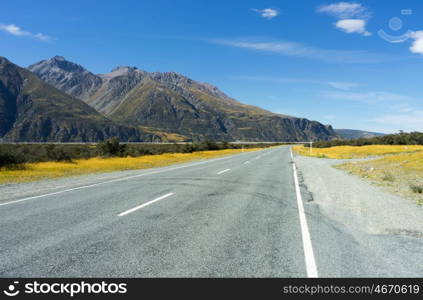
(32, 110)
(349, 134)
(58, 100)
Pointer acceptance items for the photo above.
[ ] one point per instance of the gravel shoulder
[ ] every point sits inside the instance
(351, 200)
(377, 234)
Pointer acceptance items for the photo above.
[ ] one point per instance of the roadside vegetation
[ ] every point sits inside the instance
(413, 138)
(348, 152)
(31, 162)
(17, 155)
(50, 170)
(398, 168)
(401, 173)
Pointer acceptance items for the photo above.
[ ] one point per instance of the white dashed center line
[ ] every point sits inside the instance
(144, 205)
(223, 171)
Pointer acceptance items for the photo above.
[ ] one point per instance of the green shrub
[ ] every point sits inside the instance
(418, 189)
(111, 147)
(388, 177)
(59, 153)
(211, 145)
(412, 138)
(11, 161)
(188, 148)
(16, 155)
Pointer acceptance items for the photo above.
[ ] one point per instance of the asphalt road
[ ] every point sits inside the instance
(236, 216)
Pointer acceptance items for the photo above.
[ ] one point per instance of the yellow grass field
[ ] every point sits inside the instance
(400, 173)
(49, 170)
(397, 168)
(348, 152)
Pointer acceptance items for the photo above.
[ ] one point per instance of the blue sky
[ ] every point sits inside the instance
(350, 64)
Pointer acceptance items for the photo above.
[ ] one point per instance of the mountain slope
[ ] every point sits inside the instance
(65, 74)
(31, 110)
(349, 134)
(174, 103)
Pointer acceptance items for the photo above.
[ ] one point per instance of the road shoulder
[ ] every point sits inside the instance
(387, 229)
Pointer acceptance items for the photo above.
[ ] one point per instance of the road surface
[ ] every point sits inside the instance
(237, 216)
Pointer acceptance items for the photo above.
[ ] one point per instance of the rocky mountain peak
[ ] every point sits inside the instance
(56, 64)
(177, 79)
(3, 60)
(58, 58)
(123, 70)
(32, 110)
(67, 76)
(170, 77)
(175, 103)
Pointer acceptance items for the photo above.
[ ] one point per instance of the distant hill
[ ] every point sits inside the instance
(172, 103)
(356, 134)
(33, 111)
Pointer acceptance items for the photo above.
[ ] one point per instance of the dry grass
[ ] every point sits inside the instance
(49, 170)
(400, 173)
(397, 168)
(348, 152)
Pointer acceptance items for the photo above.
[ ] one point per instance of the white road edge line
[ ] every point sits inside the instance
(223, 171)
(144, 205)
(125, 178)
(307, 246)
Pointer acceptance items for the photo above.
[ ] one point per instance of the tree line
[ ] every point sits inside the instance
(14, 156)
(412, 138)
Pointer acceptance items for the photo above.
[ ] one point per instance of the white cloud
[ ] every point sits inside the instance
(300, 50)
(400, 115)
(13, 29)
(345, 10)
(412, 121)
(342, 85)
(335, 84)
(353, 26)
(267, 13)
(368, 97)
(417, 46)
(402, 107)
(42, 37)
(352, 17)
(17, 31)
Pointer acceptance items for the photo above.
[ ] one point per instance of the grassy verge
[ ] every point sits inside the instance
(396, 168)
(15, 155)
(400, 173)
(49, 170)
(348, 152)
